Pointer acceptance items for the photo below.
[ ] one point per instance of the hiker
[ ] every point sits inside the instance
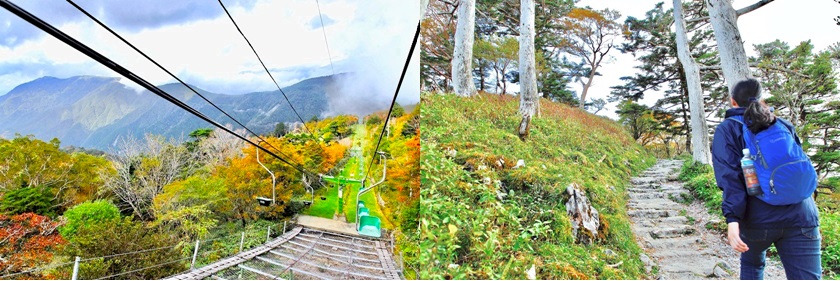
(753, 223)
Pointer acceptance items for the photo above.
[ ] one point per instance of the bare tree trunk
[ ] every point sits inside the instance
(699, 134)
(586, 87)
(683, 102)
(733, 58)
(462, 80)
(423, 5)
(481, 83)
(529, 102)
(504, 81)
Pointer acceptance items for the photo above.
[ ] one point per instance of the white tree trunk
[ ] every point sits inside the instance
(733, 58)
(529, 102)
(462, 80)
(587, 85)
(423, 5)
(699, 134)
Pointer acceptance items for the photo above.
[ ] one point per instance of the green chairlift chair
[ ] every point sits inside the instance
(364, 212)
(370, 226)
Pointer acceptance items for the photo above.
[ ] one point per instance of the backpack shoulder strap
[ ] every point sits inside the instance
(745, 131)
(738, 119)
(790, 128)
(785, 123)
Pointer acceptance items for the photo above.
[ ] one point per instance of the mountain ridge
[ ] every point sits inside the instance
(93, 111)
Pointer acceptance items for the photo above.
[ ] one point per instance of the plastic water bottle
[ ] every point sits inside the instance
(748, 166)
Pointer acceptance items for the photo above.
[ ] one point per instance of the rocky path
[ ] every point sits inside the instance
(670, 226)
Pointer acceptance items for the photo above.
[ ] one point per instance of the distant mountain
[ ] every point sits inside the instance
(92, 112)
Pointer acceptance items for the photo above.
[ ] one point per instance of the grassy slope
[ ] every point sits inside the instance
(479, 220)
(324, 208)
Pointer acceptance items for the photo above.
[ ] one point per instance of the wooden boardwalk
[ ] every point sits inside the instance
(225, 263)
(384, 254)
(306, 253)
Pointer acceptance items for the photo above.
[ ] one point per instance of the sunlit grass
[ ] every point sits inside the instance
(325, 208)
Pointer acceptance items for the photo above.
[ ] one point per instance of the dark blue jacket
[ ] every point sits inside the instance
(750, 211)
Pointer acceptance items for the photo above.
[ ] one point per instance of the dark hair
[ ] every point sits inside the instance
(757, 115)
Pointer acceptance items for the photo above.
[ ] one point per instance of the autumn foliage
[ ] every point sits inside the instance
(26, 241)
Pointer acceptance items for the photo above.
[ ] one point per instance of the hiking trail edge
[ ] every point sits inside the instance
(673, 235)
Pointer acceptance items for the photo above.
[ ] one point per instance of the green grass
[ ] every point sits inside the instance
(483, 219)
(700, 179)
(324, 208)
(352, 170)
(830, 231)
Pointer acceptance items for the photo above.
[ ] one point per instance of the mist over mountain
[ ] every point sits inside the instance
(93, 112)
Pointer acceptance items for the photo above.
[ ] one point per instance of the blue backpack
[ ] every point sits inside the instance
(784, 171)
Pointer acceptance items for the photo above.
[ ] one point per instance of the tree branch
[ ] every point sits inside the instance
(752, 7)
(739, 12)
(717, 67)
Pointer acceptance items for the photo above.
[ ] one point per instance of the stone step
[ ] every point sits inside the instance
(672, 185)
(665, 245)
(673, 232)
(646, 226)
(634, 190)
(701, 266)
(675, 220)
(655, 203)
(646, 195)
(644, 179)
(651, 195)
(651, 214)
(644, 186)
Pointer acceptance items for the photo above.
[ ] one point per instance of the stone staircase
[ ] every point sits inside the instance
(670, 227)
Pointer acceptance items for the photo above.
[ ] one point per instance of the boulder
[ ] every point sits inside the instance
(585, 218)
(531, 273)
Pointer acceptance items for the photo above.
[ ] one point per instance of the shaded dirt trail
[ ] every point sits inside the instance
(670, 227)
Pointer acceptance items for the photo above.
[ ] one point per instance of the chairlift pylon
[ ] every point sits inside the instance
(262, 200)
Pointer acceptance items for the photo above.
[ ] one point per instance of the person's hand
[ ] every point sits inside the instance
(735, 238)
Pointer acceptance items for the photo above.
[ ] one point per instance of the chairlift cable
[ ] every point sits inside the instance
(84, 49)
(394, 100)
(264, 67)
(103, 25)
(324, 29)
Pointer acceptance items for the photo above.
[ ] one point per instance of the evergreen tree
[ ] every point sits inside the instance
(653, 44)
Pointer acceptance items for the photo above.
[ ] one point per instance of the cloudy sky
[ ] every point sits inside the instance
(787, 20)
(195, 40)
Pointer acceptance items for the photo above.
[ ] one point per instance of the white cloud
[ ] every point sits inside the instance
(208, 51)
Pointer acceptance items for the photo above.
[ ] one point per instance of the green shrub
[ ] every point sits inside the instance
(88, 213)
(705, 187)
(830, 228)
(691, 169)
(700, 179)
(410, 217)
(121, 236)
(375, 119)
(36, 199)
